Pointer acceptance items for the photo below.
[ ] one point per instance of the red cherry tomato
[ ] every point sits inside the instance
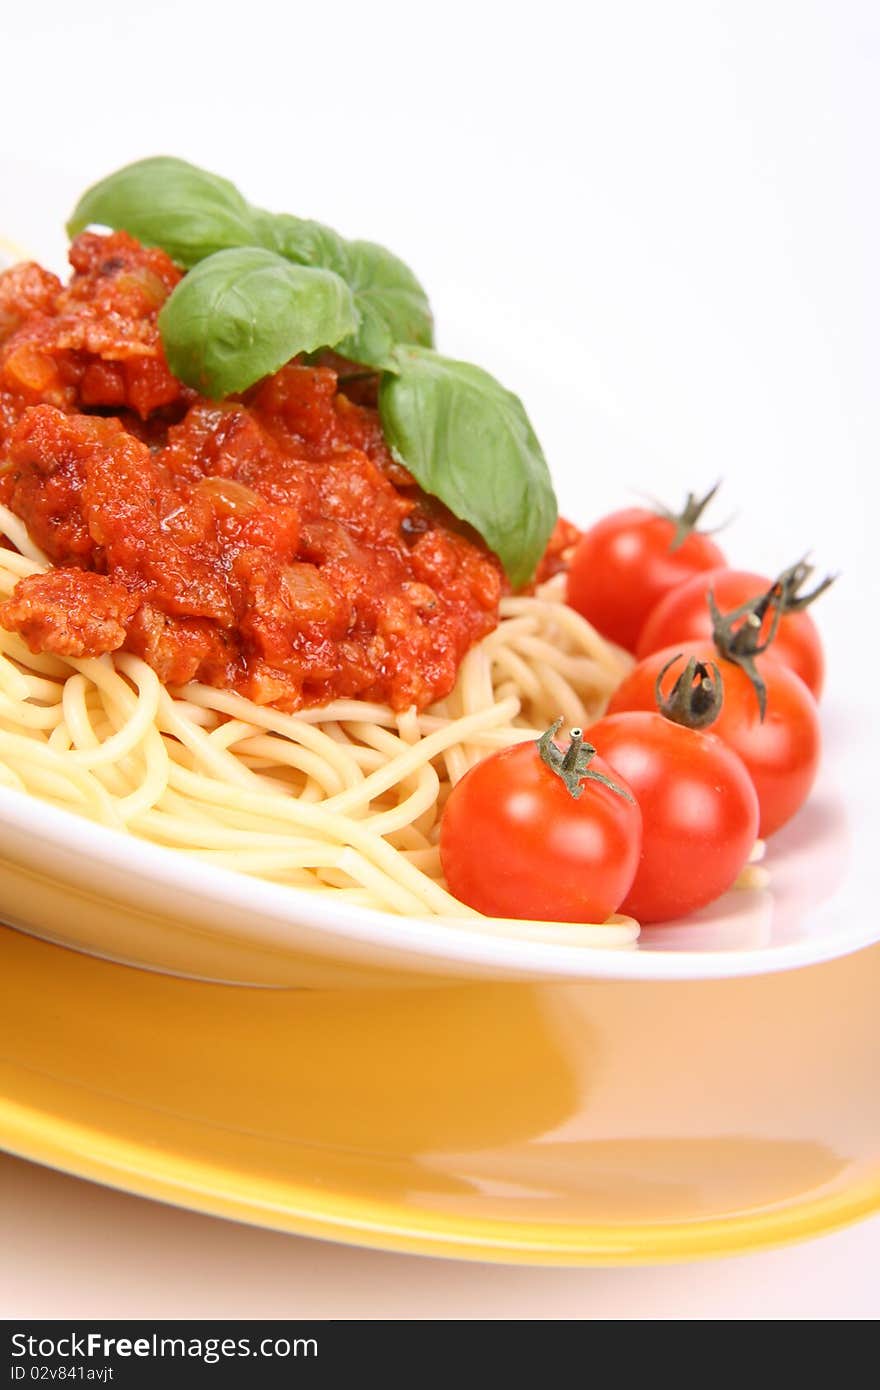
(781, 754)
(625, 564)
(514, 842)
(699, 811)
(683, 616)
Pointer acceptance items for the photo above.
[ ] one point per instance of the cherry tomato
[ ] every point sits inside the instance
(699, 811)
(514, 841)
(781, 754)
(624, 565)
(683, 616)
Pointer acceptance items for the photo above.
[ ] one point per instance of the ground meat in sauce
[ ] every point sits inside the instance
(268, 545)
(71, 612)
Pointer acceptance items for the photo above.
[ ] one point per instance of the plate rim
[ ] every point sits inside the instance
(399, 1229)
(439, 943)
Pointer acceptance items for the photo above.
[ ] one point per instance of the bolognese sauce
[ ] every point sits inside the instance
(269, 544)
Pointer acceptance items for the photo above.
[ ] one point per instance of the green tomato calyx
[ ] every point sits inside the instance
(787, 596)
(696, 698)
(688, 519)
(738, 634)
(572, 764)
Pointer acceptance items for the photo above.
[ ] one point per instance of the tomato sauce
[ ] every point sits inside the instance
(269, 544)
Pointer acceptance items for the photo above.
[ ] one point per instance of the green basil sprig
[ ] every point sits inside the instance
(192, 214)
(392, 305)
(468, 441)
(263, 287)
(241, 314)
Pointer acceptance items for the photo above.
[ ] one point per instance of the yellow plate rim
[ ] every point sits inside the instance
(110, 1161)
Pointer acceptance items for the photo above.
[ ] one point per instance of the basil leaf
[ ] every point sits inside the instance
(242, 314)
(468, 441)
(301, 241)
(393, 306)
(169, 203)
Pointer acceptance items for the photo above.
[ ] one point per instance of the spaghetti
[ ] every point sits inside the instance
(346, 797)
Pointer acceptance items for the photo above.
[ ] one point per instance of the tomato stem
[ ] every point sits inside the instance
(697, 696)
(572, 764)
(737, 634)
(573, 752)
(688, 518)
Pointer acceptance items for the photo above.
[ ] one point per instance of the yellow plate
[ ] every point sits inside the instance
(608, 1122)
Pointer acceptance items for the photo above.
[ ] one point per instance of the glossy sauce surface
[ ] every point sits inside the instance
(268, 544)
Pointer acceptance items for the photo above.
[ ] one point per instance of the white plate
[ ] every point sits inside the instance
(102, 892)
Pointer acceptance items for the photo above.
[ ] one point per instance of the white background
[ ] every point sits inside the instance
(659, 223)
